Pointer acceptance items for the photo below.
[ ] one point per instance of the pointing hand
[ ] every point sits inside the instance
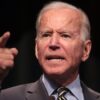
(7, 56)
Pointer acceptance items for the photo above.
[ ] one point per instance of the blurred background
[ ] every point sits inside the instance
(19, 16)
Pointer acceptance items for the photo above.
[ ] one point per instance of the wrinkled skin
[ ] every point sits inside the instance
(59, 46)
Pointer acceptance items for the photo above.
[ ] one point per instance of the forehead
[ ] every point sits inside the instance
(61, 11)
(57, 17)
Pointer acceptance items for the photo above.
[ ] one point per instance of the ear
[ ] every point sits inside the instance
(86, 50)
(36, 50)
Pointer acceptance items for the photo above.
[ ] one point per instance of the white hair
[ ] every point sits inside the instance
(85, 28)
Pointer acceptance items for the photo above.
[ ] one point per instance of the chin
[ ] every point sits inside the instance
(55, 73)
(55, 70)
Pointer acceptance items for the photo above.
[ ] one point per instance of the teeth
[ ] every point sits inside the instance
(56, 59)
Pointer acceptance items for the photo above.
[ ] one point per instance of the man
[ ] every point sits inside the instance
(62, 43)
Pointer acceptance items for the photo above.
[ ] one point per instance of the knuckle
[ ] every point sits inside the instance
(6, 64)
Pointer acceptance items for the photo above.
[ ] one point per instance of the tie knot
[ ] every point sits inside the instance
(62, 91)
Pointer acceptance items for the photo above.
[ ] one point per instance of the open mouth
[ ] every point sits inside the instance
(54, 57)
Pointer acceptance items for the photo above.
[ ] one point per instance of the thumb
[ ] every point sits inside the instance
(14, 51)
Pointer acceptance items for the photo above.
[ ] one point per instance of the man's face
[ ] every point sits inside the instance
(59, 47)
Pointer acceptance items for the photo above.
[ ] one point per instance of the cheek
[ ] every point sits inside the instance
(77, 53)
(73, 51)
(39, 51)
(41, 48)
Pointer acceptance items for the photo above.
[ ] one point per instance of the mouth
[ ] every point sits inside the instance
(55, 57)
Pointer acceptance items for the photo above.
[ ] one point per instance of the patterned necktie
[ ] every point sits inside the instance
(61, 92)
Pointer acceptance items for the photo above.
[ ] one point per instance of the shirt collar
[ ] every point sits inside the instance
(50, 87)
(74, 87)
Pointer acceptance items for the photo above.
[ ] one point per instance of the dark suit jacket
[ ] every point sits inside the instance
(37, 91)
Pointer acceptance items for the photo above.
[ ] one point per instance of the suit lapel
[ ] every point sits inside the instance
(36, 91)
(89, 94)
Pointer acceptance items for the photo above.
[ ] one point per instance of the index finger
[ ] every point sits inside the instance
(4, 38)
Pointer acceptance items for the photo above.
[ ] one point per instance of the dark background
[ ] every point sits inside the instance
(19, 16)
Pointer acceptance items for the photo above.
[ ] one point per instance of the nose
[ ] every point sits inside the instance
(54, 43)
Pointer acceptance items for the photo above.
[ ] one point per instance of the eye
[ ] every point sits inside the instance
(46, 34)
(65, 35)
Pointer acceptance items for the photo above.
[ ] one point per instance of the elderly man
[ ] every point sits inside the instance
(62, 43)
